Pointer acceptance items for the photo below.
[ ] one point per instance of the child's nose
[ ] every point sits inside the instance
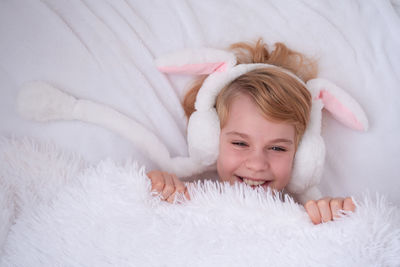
(257, 161)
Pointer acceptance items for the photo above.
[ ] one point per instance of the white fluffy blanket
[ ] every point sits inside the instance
(56, 210)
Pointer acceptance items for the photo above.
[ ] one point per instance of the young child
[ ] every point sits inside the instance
(263, 115)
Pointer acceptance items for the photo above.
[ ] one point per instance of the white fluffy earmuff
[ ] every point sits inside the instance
(40, 101)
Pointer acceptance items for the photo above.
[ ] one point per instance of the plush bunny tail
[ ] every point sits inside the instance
(42, 102)
(143, 139)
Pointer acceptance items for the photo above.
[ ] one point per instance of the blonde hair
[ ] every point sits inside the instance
(278, 96)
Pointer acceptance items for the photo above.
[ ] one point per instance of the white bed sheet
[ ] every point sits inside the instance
(104, 51)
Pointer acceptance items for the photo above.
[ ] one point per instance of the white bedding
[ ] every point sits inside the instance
(105, 50)
(66, 214)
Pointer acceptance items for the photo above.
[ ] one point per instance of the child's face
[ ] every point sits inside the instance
(253, 149)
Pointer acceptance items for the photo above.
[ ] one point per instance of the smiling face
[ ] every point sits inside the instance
(255, 150)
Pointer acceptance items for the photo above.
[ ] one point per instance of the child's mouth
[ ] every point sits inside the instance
(253, 182)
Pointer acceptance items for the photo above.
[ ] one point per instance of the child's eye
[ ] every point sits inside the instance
(241, 144)
(278, 148)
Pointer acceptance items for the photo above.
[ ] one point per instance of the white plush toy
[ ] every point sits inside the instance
(42, 102)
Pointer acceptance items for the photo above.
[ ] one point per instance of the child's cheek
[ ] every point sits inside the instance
(228, 162)
(283, 167)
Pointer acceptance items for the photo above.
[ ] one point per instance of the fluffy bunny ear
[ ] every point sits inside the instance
(310, 155)
(196, 61)
(339, 103)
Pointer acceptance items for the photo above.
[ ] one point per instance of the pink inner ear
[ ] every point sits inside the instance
(339, 111)
(195, 69)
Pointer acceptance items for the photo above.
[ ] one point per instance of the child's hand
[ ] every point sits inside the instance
(326, 209)
(167, 185)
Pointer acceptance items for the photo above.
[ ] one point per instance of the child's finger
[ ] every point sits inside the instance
(325, 209)
(336, 206)
(187, 194)
(169, 186)
(179, 186)
(171, 198)
(313, 211)
(348, 204)
(157, 181)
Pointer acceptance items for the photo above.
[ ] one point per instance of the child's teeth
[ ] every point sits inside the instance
(252, 182)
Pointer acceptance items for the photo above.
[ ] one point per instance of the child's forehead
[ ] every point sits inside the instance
(244, 115)
(244, 105)
(242, 100)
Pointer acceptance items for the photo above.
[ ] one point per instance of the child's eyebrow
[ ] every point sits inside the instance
(282, 140)
(237, 133)
(277, 140)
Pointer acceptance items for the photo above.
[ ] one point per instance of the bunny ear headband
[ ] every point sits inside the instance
(40, 101)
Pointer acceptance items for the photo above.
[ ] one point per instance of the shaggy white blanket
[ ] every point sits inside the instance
(56, 210)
